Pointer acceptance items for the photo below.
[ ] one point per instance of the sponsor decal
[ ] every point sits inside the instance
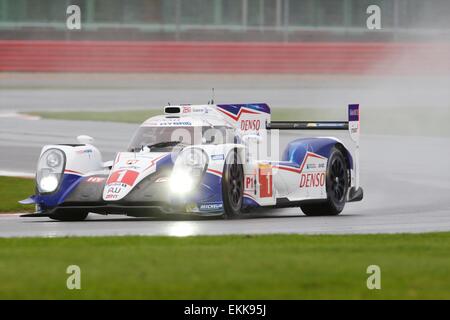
(176, 123)
(324, 125)
(111, 196)
(199, 110)
(311, 166)
(187, 109)
(167, 122)
(250, 125)
(249, 182)
(128, 167)
(132, 161)
(312, 180)
(114, 189)
(211, 206)
(353, 112)
(87, 151)
(217, 157)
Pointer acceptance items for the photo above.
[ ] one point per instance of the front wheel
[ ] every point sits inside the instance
(336, 184)
(69, 215)
(233, 185)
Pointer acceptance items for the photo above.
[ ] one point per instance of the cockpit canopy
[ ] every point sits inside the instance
(166, 137)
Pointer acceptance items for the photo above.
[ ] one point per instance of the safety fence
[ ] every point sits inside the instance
(224, 57)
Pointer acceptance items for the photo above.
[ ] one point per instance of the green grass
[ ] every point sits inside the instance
(412, 121)
(15, 189)
(227, 267)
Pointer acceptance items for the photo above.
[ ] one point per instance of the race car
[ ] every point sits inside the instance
(214, 159)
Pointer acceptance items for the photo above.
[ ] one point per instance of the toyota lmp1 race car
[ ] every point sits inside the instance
(205, 160)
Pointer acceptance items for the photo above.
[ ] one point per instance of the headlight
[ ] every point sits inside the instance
(48, 183)
(188, 170)
(181, 182)
(54, 159)
(49, 170)
(194, 159)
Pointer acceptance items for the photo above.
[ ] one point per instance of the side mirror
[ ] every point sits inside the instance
(108, 164)
(83, 139)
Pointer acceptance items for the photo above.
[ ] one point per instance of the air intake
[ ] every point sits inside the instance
(171, 110)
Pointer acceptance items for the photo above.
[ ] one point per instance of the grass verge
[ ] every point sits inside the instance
(13, 190)
(227, 267)
(406, 121)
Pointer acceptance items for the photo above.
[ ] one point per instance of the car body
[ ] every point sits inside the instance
(202, 159)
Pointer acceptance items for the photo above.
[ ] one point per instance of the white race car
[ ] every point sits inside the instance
(206, 160)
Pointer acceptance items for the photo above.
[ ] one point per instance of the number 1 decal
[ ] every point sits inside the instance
(123, 176)
(265, 181)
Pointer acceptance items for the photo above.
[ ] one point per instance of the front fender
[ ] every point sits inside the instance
(209, 195)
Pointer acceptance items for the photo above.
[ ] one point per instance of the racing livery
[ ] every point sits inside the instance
(205, 160)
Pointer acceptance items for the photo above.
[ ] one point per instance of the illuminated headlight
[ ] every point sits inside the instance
(188, 171)
(49, 170)
(181, 182)
(48, 183)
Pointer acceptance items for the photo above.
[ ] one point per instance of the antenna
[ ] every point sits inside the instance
(212, 100)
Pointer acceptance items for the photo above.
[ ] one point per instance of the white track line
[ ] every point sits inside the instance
(19, 116)
(16, 174)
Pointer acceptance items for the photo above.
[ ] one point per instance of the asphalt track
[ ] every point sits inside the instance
(406, 182)
(103, 92)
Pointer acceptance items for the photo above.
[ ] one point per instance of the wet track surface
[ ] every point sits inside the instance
(103, 92)
(406, 182)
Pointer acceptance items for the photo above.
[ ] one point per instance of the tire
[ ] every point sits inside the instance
(233, 185)
(337, 182)
(69, 215)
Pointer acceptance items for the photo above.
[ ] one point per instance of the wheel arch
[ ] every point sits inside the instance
(231, 148)
(346, 153)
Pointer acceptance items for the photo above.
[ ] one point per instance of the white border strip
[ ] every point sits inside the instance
(16, 174)
(24, 116)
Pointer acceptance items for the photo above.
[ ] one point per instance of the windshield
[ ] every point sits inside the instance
(148, 136)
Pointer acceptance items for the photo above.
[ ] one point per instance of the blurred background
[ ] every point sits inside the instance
(305, 58)
(140, 54)
(225, 20)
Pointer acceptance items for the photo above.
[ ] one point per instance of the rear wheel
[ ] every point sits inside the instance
(336, 185)
(233, 185)
(69, 215)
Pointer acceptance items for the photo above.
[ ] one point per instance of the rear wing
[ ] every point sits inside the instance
(352, 125)
(308, 125)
